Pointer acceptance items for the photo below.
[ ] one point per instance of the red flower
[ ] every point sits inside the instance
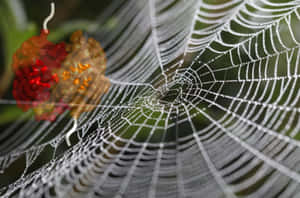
(32, 85)
(52, 55)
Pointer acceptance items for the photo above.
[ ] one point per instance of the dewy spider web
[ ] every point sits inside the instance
(204, 102)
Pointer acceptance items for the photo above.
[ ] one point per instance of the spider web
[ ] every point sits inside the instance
(204, 102)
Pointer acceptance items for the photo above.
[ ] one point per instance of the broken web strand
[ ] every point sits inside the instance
(51, 15)
(71, 131)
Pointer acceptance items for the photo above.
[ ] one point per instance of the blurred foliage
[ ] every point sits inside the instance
(9, 114)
